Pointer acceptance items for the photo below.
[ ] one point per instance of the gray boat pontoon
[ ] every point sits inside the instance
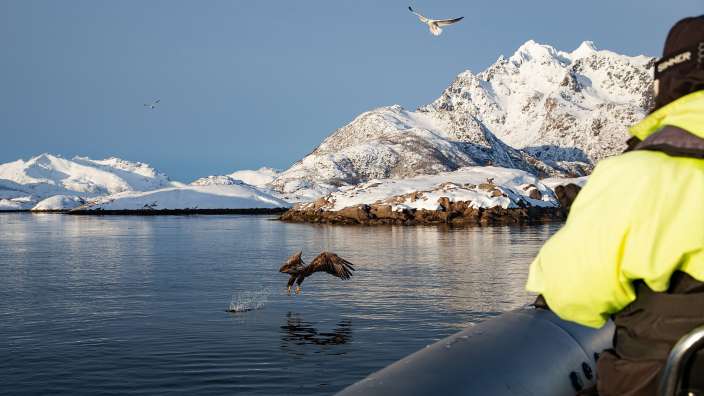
(528, 351)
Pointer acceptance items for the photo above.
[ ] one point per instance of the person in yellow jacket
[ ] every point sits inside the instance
(633, 244)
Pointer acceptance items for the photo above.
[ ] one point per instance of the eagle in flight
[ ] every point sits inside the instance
(326, 262)
(435, 25)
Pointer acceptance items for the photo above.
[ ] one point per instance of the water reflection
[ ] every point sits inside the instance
(297, 331)
(135, 305)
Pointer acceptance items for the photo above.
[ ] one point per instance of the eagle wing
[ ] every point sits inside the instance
(445, 22)
(295, 257)
(330, 263)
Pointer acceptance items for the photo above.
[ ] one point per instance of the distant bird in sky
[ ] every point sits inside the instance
(326, 262)
(153, 104)
(435, 24)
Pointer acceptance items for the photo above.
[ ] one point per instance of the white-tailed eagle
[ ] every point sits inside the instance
(326, 262)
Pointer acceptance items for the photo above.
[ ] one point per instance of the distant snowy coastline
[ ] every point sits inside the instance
(50, 183)
(194, 198)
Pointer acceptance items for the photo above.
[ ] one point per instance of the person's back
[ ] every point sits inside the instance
(633, 244)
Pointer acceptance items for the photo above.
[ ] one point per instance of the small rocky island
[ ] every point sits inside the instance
(463, 197)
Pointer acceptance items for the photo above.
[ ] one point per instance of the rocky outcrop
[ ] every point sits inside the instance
(454, 213)
(473, 195)
(566, 194)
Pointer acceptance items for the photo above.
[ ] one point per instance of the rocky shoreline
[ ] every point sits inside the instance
(156, 212)
(458, 214)
(454, 213)
(176, 212)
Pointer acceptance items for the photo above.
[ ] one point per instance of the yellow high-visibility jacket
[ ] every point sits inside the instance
(640, 216)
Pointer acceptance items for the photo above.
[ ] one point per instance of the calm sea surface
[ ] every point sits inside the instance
(137, 305)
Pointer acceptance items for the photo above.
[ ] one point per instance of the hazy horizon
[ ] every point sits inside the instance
(250, 84)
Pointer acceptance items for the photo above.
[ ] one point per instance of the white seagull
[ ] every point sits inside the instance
(435, 24)
(153, 104)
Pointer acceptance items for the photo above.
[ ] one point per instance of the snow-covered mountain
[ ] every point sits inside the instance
(559, 106)
(49, 182)
(544, 111)
(233, 196)
(259, 178)
(24, 183)
(391, 142)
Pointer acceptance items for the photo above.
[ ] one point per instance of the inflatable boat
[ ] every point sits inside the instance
(529, 351)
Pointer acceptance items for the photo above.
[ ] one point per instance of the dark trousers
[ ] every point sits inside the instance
(645, 333)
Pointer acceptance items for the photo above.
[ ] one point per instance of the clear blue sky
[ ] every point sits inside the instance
(245, 84)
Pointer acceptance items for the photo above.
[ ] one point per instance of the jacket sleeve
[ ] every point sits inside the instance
(638, 217)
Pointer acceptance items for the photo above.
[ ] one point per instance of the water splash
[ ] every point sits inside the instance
(249, 300)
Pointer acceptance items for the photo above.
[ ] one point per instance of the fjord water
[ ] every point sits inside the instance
(137, 305)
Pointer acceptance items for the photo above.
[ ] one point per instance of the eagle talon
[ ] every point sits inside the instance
(289, 291)
(298, 290)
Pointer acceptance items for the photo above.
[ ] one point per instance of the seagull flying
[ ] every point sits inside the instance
(435, 24)
(153, 104)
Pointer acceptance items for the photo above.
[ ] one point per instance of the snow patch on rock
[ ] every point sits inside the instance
(484, 187)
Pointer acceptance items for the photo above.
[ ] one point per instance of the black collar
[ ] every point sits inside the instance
(674, 141)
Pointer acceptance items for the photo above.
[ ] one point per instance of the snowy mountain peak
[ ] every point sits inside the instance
(44, 159)
(113, 164)
(555, 105)
(542, 110)
(532, 51)
(260, 177)
(584, 50)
